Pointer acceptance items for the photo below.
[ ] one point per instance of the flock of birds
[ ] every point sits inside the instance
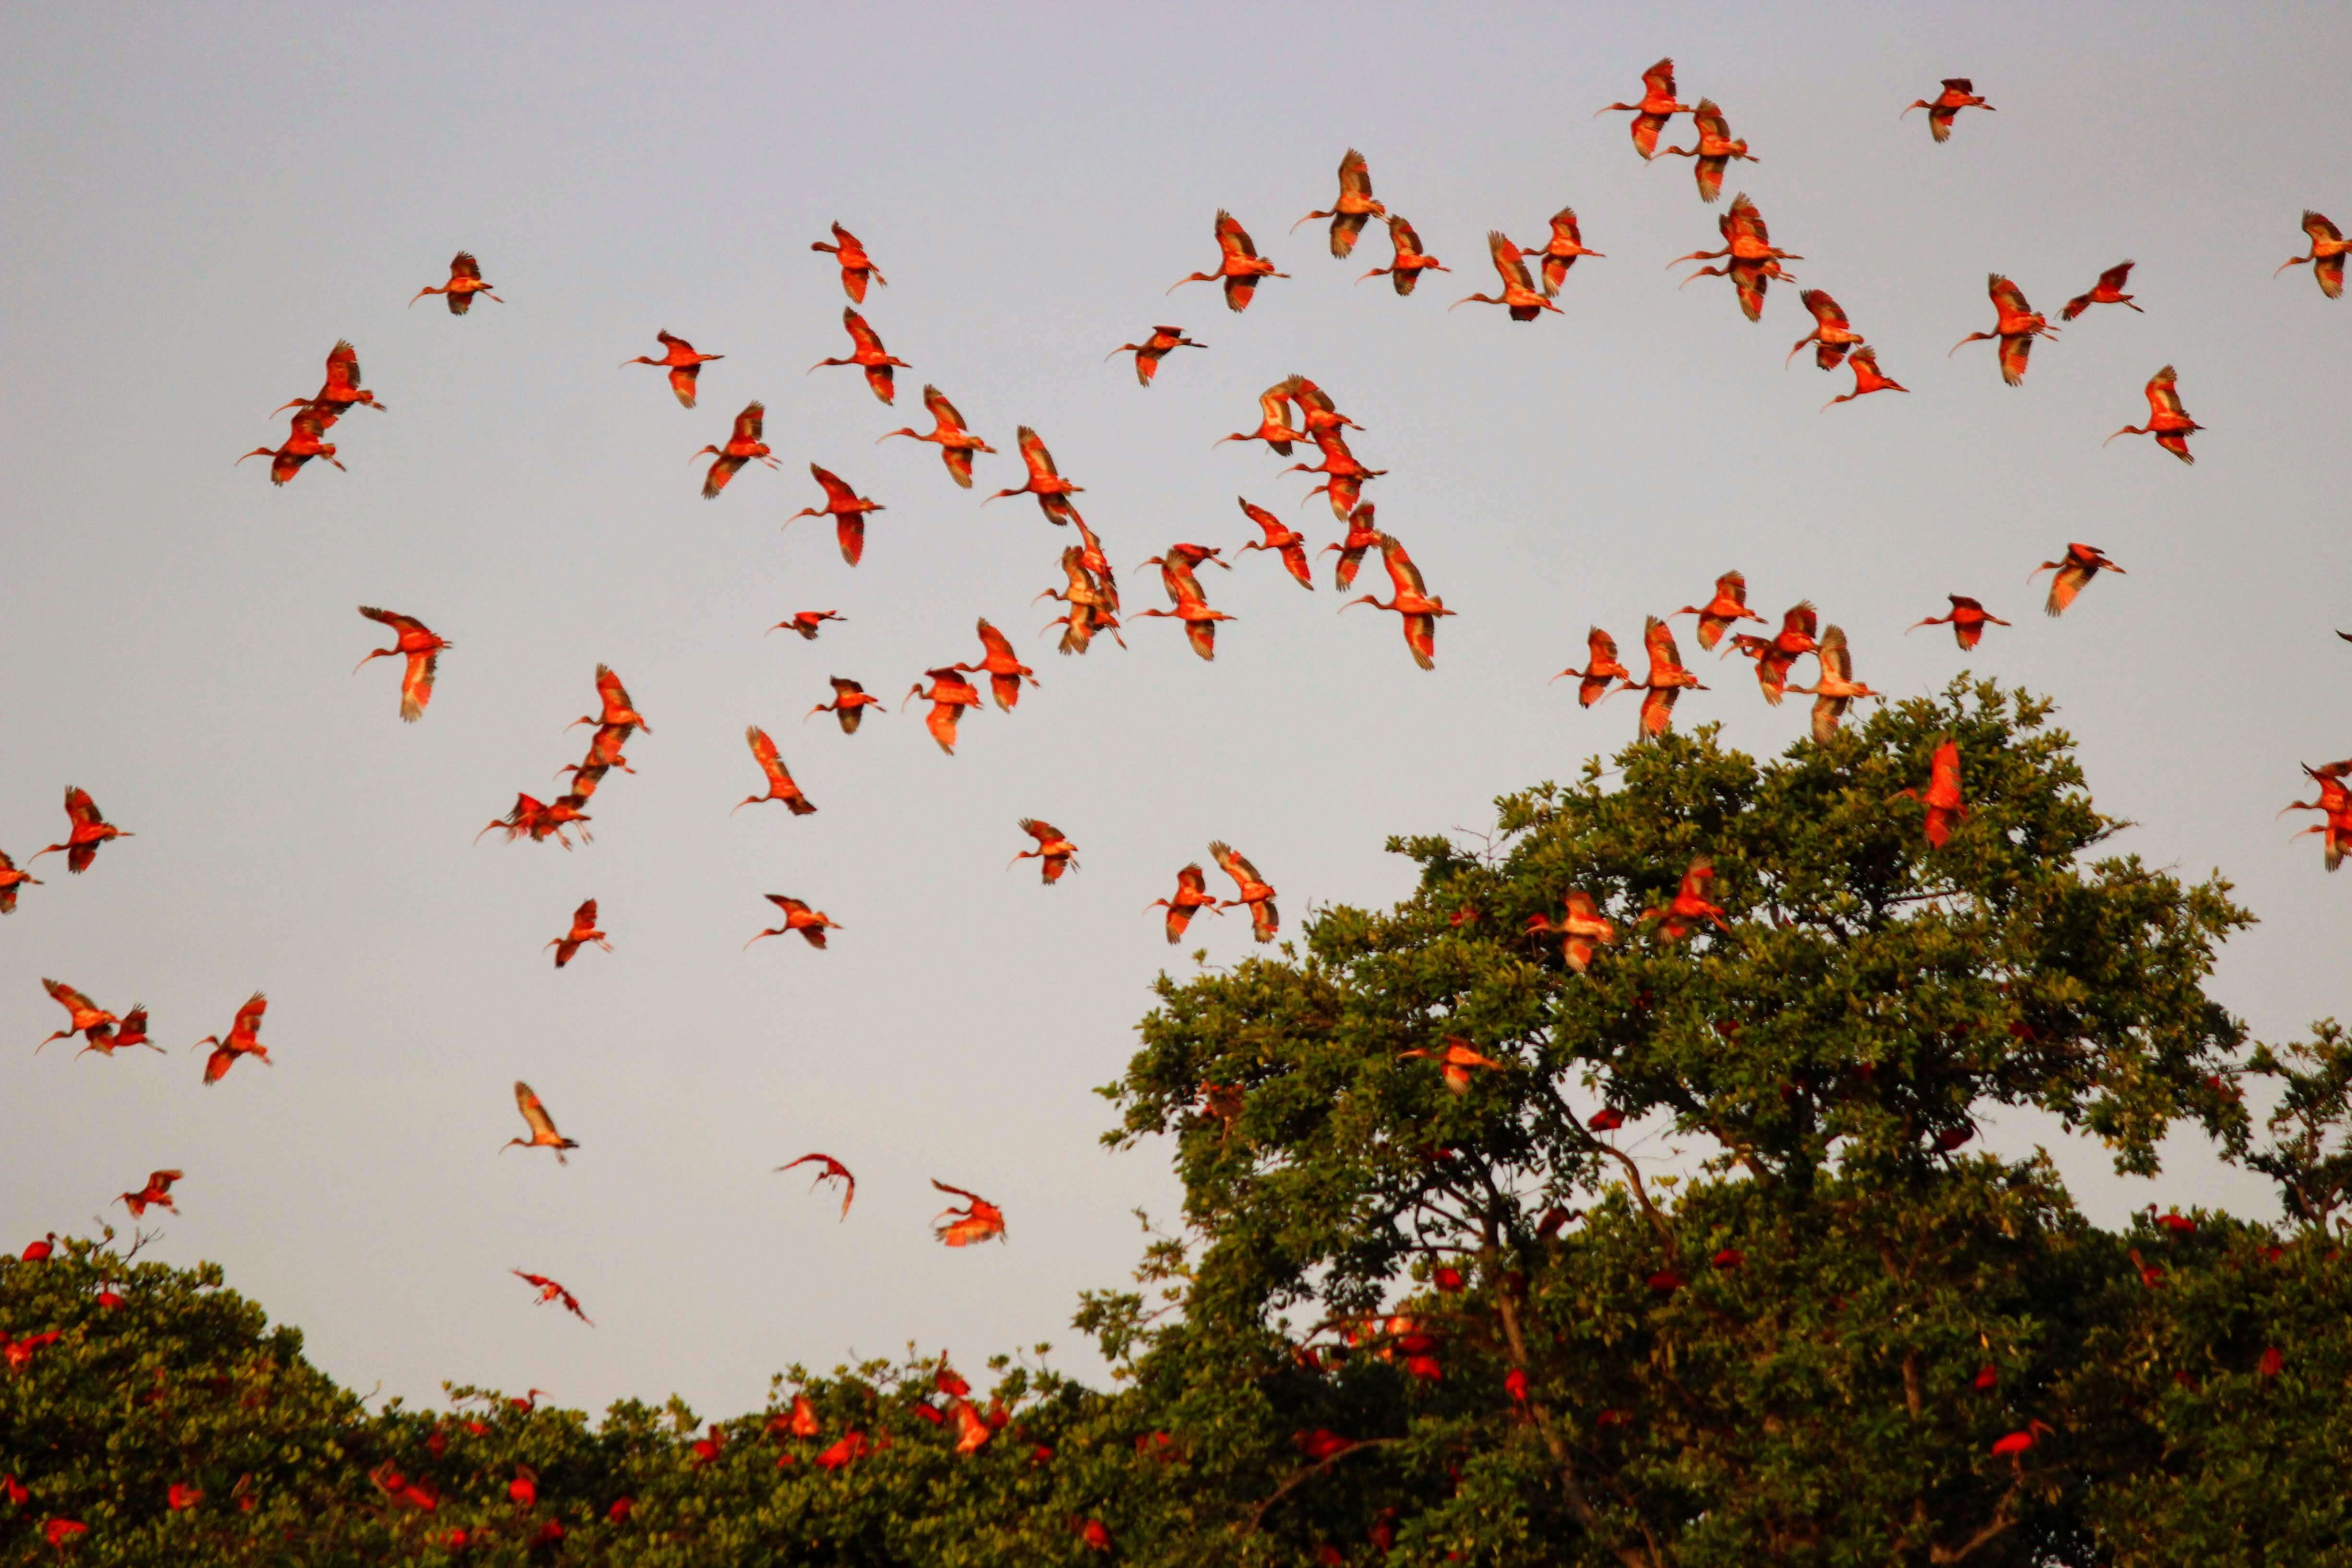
(1292, 412)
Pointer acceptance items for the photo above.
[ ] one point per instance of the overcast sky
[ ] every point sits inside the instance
(199, 201)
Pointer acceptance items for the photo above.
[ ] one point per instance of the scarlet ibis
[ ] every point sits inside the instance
(1584, 926)
(1096, 563)
(306, 441)
(1092, 605)
(40, 1251)
(1002, 666)
(744, 446)
(856, 267)
(1942, 800)
(780, 777)
(1239, 266)
(1832, 333)
(977, 1220)
(1834, 688)
(416, 642)
(828, 1170)
(1776, 654)
(244, 1040)
(1178, 568)
(584, 931)
(956, 444)
(157, 1191)
(1750, 258)
(845, 506)
(2107, 290)
(11, 880)
(1199, 622)
(1273, 425)
(1286, 544)
(465, 282)
(1945, 107)
(1413, 602)
(850, 701)
(949, 695)
(1255, 891)
(867, 352)
(1361, 536)
(2017, 1445)
(1559, 253)
(1713, 150)
(619, 712)
(1163, 342)
(806, 622)
(1344, 475)
(1458, 1057)
(1867, 378)
(2176, 1222)
(1354, 208)
(1691, 903)
(1191, 894)
(180, 1496)
(1663, 682)
(1658, 105)
(2327, 254)
(549, 1291)
(680, 360)
(1046, 481)
(1054, 853)
(1518, 293)
(798, 917)
(90, 830)
(2167, 421)
(82, 1013)
(528, 815)
(108, 1038)
(1968, 621)
(1720, 614)
(1405, 268)
(1601, 667)
(341, 390)
(543, 1135)
(2016, 324)
(2073, 574)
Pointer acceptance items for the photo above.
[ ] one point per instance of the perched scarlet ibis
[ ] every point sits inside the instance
(549, 1291)
(1834, 688)
(619, 713)
(1942, 800)
(303, 442)
(1658, 105)
(780, 777)
(955, 443)
(949, 695)
(1584, 926)
(1354, 208)
(806, 622)
(40, 1251)
(1286, 544)
(845, 506)
(1664, 681)
(1720, 614)
(1273, 427)
(1968, 621)
(244, 1040)
(1002, 666)
(2014, 1447)
(2167, 421)
(1255, 891)
(2176, 1222)
(157, 1191)
(1601, 667)
(1680, 914)
(798, 917)
(584, 931)
(1404, 270)
(2083, 562)
(1191, 894)
(1750, 258)
(2107, 290)
(341, 390)
(1945, 107)
(850, 701)
(1459, 1057)
(2327, 254)
(682, 362)
(11, 880)
(1046, 481)
(416, 642)
(1559, 253)
(1713, 150)
(1413, 602)
(1867, 378)
(83, 1014)
(90, 830)
(2015, 326)
(856, 267)
(972, 1431)
(1054, 853)
(180, 1496)
(1163, 342)
(1239, 266)
(543, 1135)
(57, 1531)
(977, 1220)
(1518, 293)
(828, 1170)
(1833, 334)
(465, 282)
(743, 446)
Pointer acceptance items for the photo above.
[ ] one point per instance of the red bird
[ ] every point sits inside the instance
(341, 391)
(414, 641)
(305, 441)
(1361, 536)
(846, 508)
(1046, 481)
(1287, 543)
(955, 443)
(1834, 688)
(1584, 927)
(1458, 1057)
(1942, 800)
(541, 821)
(244, 1040)
(1679, 915)
(2016, 324)
(806, 622)
(1867, 378)
(1191, 894)
(11, 880)
(543, 1135)
(830, 1170)
(1054, 853)
(1776, 654)
(1002, 666)
(465, 282)
(1833, 334)
(1968, 621)
(743, 446)
(1666, 678)
(1404, 270)
(979, 1220)
(850, 701)
(682, 362)
(2014, 1447)
(107, 1038)
(1273, 427)
(1601, 667)
(549, 1290)
(619, 712)
(1713, 150)
(1518, 293)
(1239, 266)
(83, 1015)
(798, 917)
(584, 931)
(856, 267)
(1559, 253)
(1720, 614)
(1184, 591)
(867, 352)
(1750, 258)
(1413, 602)
(1658, 105)
(1945, 107)
(2329, 246)
(90, 830)
(158, 1191)
(2167, 421)
(40, 1251)
(1163, 342)
(2083, 562)
(2107, 290)
(1253, 890)
(949, 695)
(1354, 208)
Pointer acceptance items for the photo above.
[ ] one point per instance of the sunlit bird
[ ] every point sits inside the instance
(1750, 257)
(1657, 106)
(1968, 621)
(1945, 107)
(2107, 290)
(1713, 150)
(1412, 601)
(779, 778)
(583, 932)
(90, 830)
(1556, 255)
(1355, 206)
(856, 267)
(2167, 421)
(1833, 334)
(1720, 614)
(1582, 926)
(743, 446)
(806, 622)
(82, 1014)
(1457, 1057)
(465, 282)
(1519, 295)
(1273, 427)
(1692, 903)
(1046, 481)
(949, 695)
(12, 880)
(798, 917)
(2073, 573)
(1600, 668)
(682, 362)
(845, 506)
(956, 444)
(850, 701)
(244, 1040)
(1941, 800)
(1666, 679)
(306, 441)
(1191, 895)
(416, 642)
(1239, 266)
(341, 391)
(1253, 890)
(1408, 262)
(2015, 326)
(157, 1193)
(1002, 666)
(1054, 853)
(1867, 378)
(1163, 342)
(1286, 544)
(1834, 688)
(2329, 246)
(977, 1220)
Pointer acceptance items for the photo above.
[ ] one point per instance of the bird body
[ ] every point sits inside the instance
(465, 282)
(244, 1040)
(679, 358)
(1239, 266)
(305, 440)
(2107, 290)
(1163, 342)
(798, 917)
(856, 267)
(1354, 208)
(416, 642)
(2071, 574)
(806, 622)
(1601, 667)
(1867, 378)
(1559, 253)
(1833, 334)
(1657, 106)
(584, 931)
(1720, 614)
(744, 445)
(1405, 268)
(1968, 621)
(1192, 895)
(949, 695)
(868, 354)
(1457, 1057)
(845, 506)
(341, 391)
(1519, 295)
(1945, 107)
(1713, 150)
(2015, 326)
(2167, 421)
(1680, 914)
(850, 701)
(90, 830)
(1054, 853)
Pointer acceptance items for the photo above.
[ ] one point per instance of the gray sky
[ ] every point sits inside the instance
(197, 203)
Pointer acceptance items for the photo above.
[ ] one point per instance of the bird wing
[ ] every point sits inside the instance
(584, 916)
(1404, 237)
(941, 410)
(68, 998)
(763, 752)
(1033, 453)
(1599, 647)
(1960, 84)
(1508, 260)
(1402, 572)
(752, 423)
(999, 647)
(465, 266)
(1564, 227)
(1944, 775)
(393, 618)
(1192, 879)
(2318, 227)
(669, 340)
(609, 687)
(2113, 278)
(1826, 310)
(1263, 518)
(958, 1191)
(1355, 175)
(2164, 392)
(1696, 879)
(1835, 657)
(1710, 120)
(534, 1112)
(1232, 238)
(343, 366)
(2007, 296)
(1801, 617)
(248, 1017)
(836, 493)
(2014, 354)
(82, 808)
(1658, 641)
(1235, 865)
(1658, 81)
(787, 903)
(843, 686)
(1043, 832)
(860, 333)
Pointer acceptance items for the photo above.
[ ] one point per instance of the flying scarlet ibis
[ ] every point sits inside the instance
(1361, 536)
(798, 917)
(1750, 260)
(1691, 903)
(83, 1014)
(1255, 891)
(850, 701)
(465, 282)
(2325, 256)
(414, 641)
(1720, 614)
(1046, 481)
(780, 777)
(1833, 334)
(1559, 253)
(2073, 574)
(584, 931)
(244, 1040)
(1713, 150)
(1968, 621)
(1945, 107)
(1273, 427)
(856, 267)
(1601, 667)
(806, 622)
(1354, 208)
(1459, 1057)
(543, 1135)
(1054, 853)
(1092, 605)
(977, 1220)
(90, 830)
(306, 441)
(619, 713)
(1941, 800)
(845, 506)
(682, 362)
(1518, 293)
(1404, 270)
(1239, 266)
(2107, 290)
(1413, 602)
(1867, 378)
(341, 391)
(1584, 926)
(1002, 666)
(1285, 543)
(955, 443)
(949, 695)
(1191, 894)
(549, 1290)
(1163, 342)
(1666, 679)
(744, 446)
(1834, 688)
(1658, 105)
(1775, 655)
(828, 1170)
(867, 352)
(108, 1038)
(12, 879)
(2015, 326)
(2167, 421)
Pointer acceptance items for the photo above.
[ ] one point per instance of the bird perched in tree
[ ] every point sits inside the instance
(341, 391)
(1458, 1057)
(1046, 481)
(679, 358)
(806, 622)
(1413, 602)
(1148, 354)
(1405, 268)
(949, 695)
(1239, 266)
(1054, 853)
(619, 713)
(90, 830)
(584, 931)
(829, 1170)
(779, 778)
(2107, 290)
(1002, 666)
(1720, 614)
(82, 1013)
(244, 1040)
(1256, 891)
(1945, 107)
(1601, 667)
(1713, 150)
(1750, 260)
(1192, 895)
(1867, 378)
(2083, 562)
(157, 1191)
(1559, 253)
(2167, 421)
(1273, 427)
(850, 701)
(465, 282)
(11, 882)
(856, 267)
(1666, 679)
(845, 506)
(1833, 334)
(1942, 800)
(1658, 105)
(1968, 621)
(1354, 208)
(549, 1290)
(2015, 1447)
(2329, 246)
(1584, 926)
(1691, 903)
(798, 917)
(1834, 688)
(1518, 293)
(956, 444)
(1361, 536)
(2016, 325)
(977, 1220)
(543, 1135)
(744, 446)
(868, 355)
(306, 441)
(1288, 544)
(413, 640)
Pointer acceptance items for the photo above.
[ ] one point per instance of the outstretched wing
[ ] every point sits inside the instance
(1355, 175)
(1235, 865)
(860, 333)
(82, 808)
(1826, 310)
(343, 366)
(2007, 296)
(941, 410)
(2164, 392)
(1658, 641)
(397, 621)
(248, 1017)
(534, 1112)
(752, 423)
(999, 647)
(1402, 572)
(1033, 453)
(465, 266)
(1508, 261)
(1232, 238)
(1658, 81)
